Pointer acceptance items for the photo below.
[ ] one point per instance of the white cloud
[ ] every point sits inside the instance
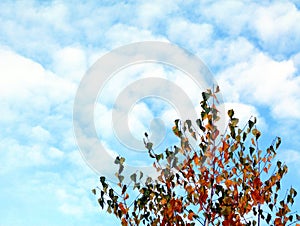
(289, 157)
(192, 34)
(70, 63)
(150, 14)
(262, 80)
(121, 30)
(235, 21)
(228, 51)
(276, 25)
(24, 80)
(35, 108)
(71, 209)
(273, 25)
(55, 153)
(40, 134)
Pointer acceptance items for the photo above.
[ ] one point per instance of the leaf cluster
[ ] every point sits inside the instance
(225, 180)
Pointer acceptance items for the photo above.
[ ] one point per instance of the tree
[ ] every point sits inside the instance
(226, 180)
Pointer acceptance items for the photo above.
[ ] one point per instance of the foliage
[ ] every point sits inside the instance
(221, 182)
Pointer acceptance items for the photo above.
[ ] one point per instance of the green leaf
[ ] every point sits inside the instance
(189, 124)
(94, 191)
(121, 168)
(205, 96)
(124, 189)
(149, 146)
(121, 178)
(102, 180)
(256, 133)
(251, 124)
(176, 122)
(141, 174)
(133, 177)
(271, 206)
(278, 164)
(199, 123)
(111, 193)
(101, 202)
(122, 160)
(278, 142)
(234, 121)
(230, 113)
(159, 157)
(117, 160)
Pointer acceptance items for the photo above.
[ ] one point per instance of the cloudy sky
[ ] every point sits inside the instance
(251, 48)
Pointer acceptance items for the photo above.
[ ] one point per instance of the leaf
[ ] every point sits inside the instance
(101, 202)
(133, 177)
(279, 164)
(141, 174)
(230, 113)
(189, 123)
(268, 218)
(94, 191)
(256, 133)
(176, 122)
(176, 131)
(117, 160)
(196, 159)
(120, 177)
(278, 142)
(205, 96)
(253, 142)
(191, 215)
(126, 196)
(124, 189)
(234, 121)
(121, 168)
(122, 208)
(149, 146)
(251, 124)
(226, 210)
(102, 180)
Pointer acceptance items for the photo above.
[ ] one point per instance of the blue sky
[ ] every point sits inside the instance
(252, 49)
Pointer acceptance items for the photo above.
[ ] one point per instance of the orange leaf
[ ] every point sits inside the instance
(163, 201)
(234, 170)
(219, 179)
(189, 189)
(225, 146)
(124, 222)
(196, 159)
(253, 142)
(126, 196)
(228, 183)
(122, 208)
(190, 216)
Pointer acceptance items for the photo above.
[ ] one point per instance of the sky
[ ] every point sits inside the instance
(252, 49)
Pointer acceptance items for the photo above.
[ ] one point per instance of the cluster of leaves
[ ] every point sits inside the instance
(219, 182)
